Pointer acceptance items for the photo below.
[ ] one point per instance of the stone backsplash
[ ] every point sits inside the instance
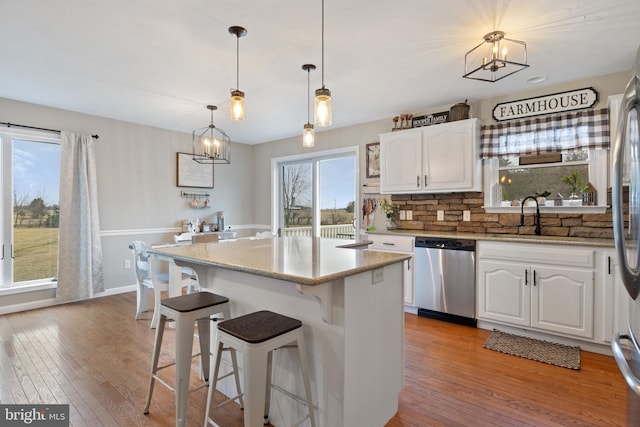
(425, 207)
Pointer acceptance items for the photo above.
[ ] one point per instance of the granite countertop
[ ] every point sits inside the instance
(301, 260)
(522, 238)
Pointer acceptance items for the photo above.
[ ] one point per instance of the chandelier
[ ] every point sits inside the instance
(211, 144)
(495, 58)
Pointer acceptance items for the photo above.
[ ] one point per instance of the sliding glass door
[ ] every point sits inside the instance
(30, 208)
(317, 196)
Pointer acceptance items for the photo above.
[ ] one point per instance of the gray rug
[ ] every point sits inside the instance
(542, 351)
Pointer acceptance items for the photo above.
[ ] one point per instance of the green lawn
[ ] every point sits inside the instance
(35, 253)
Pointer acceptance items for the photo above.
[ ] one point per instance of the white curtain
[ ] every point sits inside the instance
(80, 269)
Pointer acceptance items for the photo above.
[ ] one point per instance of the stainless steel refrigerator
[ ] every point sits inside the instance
(626, 158)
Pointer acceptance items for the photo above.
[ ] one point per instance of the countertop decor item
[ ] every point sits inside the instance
(390, 210)
(495, 58)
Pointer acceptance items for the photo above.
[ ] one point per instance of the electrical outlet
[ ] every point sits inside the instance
(466, 215)
(378, 275)
(127, 263)
(409, 215)
(402, 215)
(440, 216)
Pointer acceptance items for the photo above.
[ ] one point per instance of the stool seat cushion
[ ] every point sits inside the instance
(194, 301)
(259, 326)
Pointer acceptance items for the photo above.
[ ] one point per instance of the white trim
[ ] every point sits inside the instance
(115, 233)
(22, 289)
(548, 209)
(15, 308)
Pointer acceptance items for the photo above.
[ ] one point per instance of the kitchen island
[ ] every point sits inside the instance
(350, 302)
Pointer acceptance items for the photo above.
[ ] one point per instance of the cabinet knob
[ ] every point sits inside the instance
(418, 181)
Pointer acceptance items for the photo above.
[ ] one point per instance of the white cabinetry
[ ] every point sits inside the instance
(615, 315)
(544, 287)
(433, 159)
(404, 244)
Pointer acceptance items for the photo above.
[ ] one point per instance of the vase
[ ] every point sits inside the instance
(391, 223)
(575, 200)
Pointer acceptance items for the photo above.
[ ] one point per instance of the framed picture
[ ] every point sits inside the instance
(192, 173)
(373, 160)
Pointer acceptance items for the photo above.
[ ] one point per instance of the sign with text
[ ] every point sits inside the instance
(549, 104)
(430, 119)
(56, 415)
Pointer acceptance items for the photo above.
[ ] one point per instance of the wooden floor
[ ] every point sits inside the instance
(95, 357)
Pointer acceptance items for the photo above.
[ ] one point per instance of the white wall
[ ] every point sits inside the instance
(136, 173)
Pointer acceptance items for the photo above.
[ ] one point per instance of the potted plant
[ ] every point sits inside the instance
(390, 210)
(577, 187)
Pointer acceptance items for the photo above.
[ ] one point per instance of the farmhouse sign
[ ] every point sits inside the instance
(549, 104)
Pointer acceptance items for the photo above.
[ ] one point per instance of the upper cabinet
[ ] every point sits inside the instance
(440, 158)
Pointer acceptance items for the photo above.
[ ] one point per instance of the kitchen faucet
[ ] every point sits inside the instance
(537, 221)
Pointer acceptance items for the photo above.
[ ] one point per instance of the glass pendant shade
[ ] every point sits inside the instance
(237, 105)
(308, 137)
(211, 144)
(322, 107)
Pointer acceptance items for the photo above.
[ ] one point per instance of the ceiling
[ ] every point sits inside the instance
(160, 62)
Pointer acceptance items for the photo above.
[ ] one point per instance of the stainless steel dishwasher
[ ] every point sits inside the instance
(445, 285)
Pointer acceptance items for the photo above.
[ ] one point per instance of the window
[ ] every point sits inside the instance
(556, 157)
(316, 194)
(30, 208)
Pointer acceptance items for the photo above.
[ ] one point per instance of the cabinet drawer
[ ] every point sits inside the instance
(385, 242)
(560, 255)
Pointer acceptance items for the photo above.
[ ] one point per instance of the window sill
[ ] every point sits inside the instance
(548, 209)
(27, 288)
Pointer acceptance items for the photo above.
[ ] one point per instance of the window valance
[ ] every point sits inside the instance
(583, 130)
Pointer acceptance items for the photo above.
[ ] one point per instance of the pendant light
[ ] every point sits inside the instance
(237, 96)
(322, 104)
(308, 137)
(211, 144)
(495, 58)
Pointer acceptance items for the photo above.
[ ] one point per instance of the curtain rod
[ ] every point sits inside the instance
(7, 124)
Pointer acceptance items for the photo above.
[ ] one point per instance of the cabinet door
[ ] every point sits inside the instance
(503, 292)
(562, 300)
(617, 301)
(400, 161)
(449, 157)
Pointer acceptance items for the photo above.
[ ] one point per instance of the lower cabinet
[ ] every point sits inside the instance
(393, 243)
(616, 301)
(545, 287)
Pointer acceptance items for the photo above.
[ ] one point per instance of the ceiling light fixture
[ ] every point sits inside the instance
(211, 144)
(495, 58)
(308, 137)
(322, 104)
(237, 96)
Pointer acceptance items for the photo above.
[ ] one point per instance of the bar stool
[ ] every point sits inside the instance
(256, 335)
(186, 310)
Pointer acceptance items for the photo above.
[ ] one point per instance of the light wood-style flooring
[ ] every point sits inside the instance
(95, 356)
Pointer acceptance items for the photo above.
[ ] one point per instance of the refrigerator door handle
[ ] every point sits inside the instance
(629, 277)
(623, 365)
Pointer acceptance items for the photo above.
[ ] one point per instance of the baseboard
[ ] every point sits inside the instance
(49, 302)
